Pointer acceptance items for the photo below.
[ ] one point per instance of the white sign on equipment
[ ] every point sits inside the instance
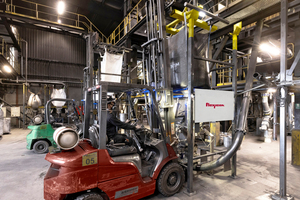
(15, 112)
(213, 105)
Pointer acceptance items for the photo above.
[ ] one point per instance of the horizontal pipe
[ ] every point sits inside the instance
(263, 79)
(206, 12)
(37, 81)
(214, 61)
(114, 74)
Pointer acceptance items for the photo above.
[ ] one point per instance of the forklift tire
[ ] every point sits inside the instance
(40, 146)
(170, 179)
(90, 196)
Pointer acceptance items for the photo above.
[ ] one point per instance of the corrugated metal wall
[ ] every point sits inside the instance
(53, 55)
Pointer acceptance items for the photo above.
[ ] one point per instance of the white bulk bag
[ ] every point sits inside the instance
(58, 93)
(111, 64)
(34, 101)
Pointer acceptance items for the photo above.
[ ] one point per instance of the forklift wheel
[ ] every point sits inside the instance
(170, 179)
(89, 196)
(40, 146)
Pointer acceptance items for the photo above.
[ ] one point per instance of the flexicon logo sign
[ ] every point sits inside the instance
(214, 105)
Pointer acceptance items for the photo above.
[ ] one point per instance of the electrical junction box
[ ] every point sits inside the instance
(15, 112)
(213, 105)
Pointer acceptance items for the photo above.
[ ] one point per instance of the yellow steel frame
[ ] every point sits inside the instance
(192, 17)
(236, 31)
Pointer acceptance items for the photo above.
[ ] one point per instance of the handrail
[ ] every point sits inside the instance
(225, 75)
(69, 19)
(127, 23)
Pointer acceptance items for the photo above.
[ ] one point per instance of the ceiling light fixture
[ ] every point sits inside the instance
(268, 48)
(220, 6)
(259, 60)
(60, 7)
(271, 90)
(59, 21)
(7, 69)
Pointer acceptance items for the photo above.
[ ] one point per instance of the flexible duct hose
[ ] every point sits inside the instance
(220, 161)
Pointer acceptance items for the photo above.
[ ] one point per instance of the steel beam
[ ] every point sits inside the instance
(213, 61)
(11, 34)
(206, 12)
(253, 18)
(219, 50)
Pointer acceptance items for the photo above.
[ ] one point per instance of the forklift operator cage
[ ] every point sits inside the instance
(102, 88)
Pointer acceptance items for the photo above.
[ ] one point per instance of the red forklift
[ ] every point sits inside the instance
(98, 169)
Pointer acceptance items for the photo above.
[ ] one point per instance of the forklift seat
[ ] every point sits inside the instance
(116, 150)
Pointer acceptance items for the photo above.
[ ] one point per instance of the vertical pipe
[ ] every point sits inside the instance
(26, 61)
(234, 88)
(143, 67)
(164, 56)
(22, 66)
(275, 118)
(190, 135)
(283, 94)
(17, 100)
(24, 106)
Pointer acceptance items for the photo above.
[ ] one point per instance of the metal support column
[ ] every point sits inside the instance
(190, 134)
(102, 114)
(236, 31)
(283, 94)
(275, 117)
(234, 88)
(164, 62)
(163, 46)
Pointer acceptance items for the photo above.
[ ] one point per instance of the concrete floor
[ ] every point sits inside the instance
(22, 173)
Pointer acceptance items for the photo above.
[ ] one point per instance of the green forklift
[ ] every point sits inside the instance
(41, 136)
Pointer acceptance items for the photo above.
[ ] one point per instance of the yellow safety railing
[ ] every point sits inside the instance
(128, 23)
(9, 54)
(40, 12)
(225, 74)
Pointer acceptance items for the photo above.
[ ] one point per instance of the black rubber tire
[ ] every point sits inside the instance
(89, 196)
(170, 179)
(40, 146)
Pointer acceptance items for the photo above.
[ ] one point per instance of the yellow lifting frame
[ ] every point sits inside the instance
(192, 17)
(236, 31)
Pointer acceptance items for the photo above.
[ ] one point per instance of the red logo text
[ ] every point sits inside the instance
(214, 105)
